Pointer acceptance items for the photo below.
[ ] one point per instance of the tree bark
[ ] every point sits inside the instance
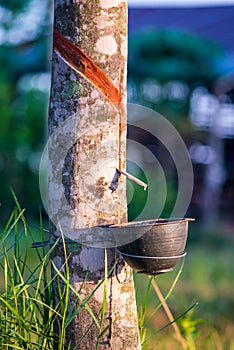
(99, 28)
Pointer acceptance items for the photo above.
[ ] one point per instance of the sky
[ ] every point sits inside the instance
(164, 3)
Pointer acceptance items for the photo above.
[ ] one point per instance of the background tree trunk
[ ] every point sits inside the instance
(100, 29)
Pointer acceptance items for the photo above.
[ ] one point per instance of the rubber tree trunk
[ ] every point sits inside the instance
(100, 29)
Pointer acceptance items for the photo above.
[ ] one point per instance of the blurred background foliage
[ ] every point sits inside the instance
(25, 28)
(169, 54)
(170, 64)
(167, 69)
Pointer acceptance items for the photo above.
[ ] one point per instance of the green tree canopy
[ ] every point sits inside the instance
(168, 55)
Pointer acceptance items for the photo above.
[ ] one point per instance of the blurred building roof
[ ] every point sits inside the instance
(179, 3)
(215, 23)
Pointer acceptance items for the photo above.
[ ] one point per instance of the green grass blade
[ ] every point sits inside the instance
(170, 290)
(170, 323)
(103, 308)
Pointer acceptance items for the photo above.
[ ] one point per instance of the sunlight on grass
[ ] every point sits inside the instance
(28, 313)
(207, 277)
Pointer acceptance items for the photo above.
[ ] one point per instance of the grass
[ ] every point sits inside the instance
(24, 309)
(207, 278)
(28, 314)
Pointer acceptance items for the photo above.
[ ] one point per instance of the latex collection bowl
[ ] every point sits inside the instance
(159, 248)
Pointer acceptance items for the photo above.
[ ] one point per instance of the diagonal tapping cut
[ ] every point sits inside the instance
(84, 65)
